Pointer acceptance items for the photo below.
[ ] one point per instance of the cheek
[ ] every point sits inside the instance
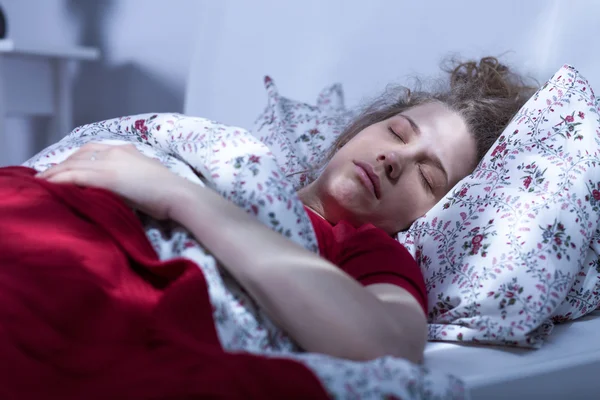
(347, 191)
(402, 210)
(335, 183)
(422, 203)
(359, 144)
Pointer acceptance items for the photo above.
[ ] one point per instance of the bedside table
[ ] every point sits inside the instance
(36, 82)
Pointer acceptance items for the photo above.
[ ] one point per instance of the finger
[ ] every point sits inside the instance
(96, 150)
(87, 150)
(80, 177)
(106, 151)
(69, 165)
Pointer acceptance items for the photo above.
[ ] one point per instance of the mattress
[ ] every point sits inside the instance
(567, 365)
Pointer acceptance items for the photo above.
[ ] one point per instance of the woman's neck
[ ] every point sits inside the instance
(311, 200)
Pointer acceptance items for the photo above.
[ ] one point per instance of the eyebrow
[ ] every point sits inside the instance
(435, 161)
(413, 124)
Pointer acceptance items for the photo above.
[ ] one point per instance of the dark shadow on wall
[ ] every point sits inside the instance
(102, 91)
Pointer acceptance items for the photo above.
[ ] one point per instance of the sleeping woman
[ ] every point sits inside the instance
(390, 166)
(364, 296)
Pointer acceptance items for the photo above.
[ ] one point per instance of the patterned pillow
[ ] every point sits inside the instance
(508, 248)
(299, 134)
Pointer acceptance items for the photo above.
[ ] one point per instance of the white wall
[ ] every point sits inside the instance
(147, 48)
(305, 45)
(148, 45)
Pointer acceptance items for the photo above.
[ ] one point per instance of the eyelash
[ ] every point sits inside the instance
(422, 175)
(396, 135)
(425, 181)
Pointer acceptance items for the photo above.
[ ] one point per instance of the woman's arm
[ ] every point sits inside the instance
(319, 305)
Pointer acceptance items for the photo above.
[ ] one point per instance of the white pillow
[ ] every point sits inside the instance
(509, 247)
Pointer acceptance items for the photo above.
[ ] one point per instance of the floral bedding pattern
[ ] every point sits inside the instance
(300, 134)
(514, 246)
(237, 165)
(484, 246)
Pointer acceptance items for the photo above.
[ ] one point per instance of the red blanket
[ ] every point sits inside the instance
(88, 311)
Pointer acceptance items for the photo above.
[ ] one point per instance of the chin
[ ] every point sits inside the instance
(354, 206)
(347, 200)
(352, 193)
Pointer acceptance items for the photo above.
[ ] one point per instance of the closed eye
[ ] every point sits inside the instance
(424, 180)
(395, 135)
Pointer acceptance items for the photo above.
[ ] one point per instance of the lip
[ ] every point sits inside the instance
(370, 176)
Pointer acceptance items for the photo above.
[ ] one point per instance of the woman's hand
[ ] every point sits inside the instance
(145, 183)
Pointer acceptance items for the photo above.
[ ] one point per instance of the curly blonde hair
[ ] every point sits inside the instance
(486, 93)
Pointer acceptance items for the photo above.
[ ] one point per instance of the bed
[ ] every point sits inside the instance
(567, 366)
(564, 366)
(568, 362)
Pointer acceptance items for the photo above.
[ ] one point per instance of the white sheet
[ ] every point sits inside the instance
(567, 366)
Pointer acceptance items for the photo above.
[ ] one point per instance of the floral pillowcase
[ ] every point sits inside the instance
(514, 246)
(298, 134)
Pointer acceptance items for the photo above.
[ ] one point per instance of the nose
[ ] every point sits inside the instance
(392, 163)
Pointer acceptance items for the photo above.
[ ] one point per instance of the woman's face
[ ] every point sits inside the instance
(394, 171)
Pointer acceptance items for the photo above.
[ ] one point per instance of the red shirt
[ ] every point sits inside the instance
(369, 255)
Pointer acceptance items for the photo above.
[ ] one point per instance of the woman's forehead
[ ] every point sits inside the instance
(447, 131)
(436, 121)
(431, 111)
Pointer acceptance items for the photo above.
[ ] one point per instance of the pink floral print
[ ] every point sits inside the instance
(242, 169)
(513, 248)
(298, 134)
